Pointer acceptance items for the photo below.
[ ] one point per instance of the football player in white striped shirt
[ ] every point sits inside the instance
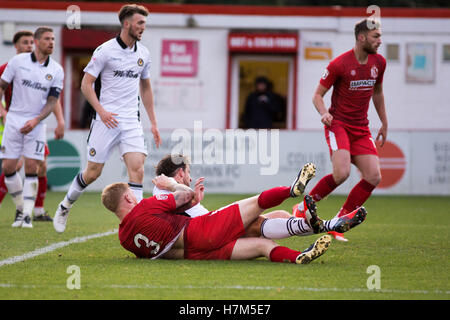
(38, 81)
(124, 67)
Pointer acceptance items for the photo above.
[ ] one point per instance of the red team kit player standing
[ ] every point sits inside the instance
(356, 77)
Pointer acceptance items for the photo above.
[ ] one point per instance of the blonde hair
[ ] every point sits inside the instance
(112, 194)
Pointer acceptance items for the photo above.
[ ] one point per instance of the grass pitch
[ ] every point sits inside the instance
(407, 239)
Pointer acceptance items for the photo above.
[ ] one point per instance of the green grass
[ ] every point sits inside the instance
(408, 238)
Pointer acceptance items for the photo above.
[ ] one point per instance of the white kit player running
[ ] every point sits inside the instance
(124, 67)
(38, 81)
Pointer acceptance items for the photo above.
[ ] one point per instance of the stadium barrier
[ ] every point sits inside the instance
(412, 162)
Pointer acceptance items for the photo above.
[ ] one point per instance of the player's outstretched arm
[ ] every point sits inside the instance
(378, 102)
(147, 99)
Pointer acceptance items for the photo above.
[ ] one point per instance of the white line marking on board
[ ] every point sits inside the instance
(53, 247)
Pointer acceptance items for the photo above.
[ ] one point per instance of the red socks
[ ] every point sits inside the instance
(283, 254)
(3, 188)
(42, 192)
(273, 197)
(323, 188)
(359, 194)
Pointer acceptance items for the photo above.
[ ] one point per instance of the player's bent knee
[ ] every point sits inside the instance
(92, 172)
(8, 168)
(31, 166)
(374, 179)
(340, 175)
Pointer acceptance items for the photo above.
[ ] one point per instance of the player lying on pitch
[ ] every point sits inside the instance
(152, 229)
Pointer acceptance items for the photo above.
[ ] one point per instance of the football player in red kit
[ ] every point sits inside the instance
(356, 77)
(152, 229)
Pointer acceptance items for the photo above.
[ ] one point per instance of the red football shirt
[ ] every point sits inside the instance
(8, 92)
(353, 85)
(151, 228)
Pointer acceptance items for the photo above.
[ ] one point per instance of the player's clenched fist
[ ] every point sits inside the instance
(165, 183)
(326, 119)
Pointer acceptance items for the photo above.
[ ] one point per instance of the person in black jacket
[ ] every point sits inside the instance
(262, 106)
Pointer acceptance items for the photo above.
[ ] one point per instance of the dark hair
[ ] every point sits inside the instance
(40, 31)
(20, 34)
(366, 25)
(261, 79)
(129, 10)
(170, 163)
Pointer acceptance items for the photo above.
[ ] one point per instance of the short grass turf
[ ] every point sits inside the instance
(407, 238)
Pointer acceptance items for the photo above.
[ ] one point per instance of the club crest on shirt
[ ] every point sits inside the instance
(353, 73)
(140, 62)
(162, 196)
(325, 74)
(374, 72)
(48, 77)
(92, 152)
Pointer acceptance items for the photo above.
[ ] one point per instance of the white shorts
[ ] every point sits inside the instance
(101, 140)
(16, 144)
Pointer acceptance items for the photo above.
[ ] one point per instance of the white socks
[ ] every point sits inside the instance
(280, 228)
(138, 190)
(14, 185)
(76, 189)
(328, 225)
(30, 186)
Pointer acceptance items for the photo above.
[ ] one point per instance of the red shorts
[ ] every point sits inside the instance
(47, 150)
(212, 236)
(357, 140)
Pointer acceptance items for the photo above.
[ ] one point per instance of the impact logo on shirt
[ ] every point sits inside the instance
(125, 74)
(161, 196)
(362, 84)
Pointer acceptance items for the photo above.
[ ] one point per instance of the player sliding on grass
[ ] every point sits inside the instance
(178, 167)
(151, 229)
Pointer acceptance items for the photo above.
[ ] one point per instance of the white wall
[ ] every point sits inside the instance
(409, 106)
(181, 101)
(424, 166)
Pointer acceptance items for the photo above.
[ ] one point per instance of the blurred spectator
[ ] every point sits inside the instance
(262, 106)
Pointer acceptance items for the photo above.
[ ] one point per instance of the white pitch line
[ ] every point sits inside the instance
(53, 247)
(238, 287)
(270, 288)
